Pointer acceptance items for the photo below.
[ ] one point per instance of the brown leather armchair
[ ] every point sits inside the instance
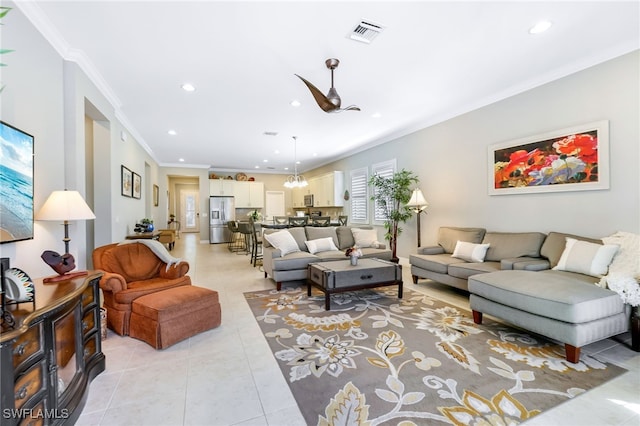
(131, 271)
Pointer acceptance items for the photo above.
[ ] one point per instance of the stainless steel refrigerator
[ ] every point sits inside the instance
(221, 211)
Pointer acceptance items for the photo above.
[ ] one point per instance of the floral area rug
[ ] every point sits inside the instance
(376, 359)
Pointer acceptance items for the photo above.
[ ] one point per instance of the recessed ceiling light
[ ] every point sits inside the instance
(297, 162)
(188, 87)
(265, 161)
(172, 132)
(257, 167)
(181, 160)
(315, 154)
(286, 168)
(295, 103)
(540, 27)
(276, 152)
(376, 115)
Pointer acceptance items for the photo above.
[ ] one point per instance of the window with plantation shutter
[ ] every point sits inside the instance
(386, 170)
(359, 196)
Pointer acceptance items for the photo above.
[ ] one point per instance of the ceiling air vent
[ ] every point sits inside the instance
(365, 32)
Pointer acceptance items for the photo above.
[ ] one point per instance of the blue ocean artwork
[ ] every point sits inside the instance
(16, 184)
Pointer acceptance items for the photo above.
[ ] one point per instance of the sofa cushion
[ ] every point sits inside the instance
(331, 255)
(559, 295)
(465, 270)
(320, 245)
(345, 236)
(300, 236)
(449, 236)
(365, 237)
(513, 244)
(283, 241)
(470, 252)
(378, 253)
(433, 262)
(315, 232)
(586, 258)
(554, 244)
(294, 261)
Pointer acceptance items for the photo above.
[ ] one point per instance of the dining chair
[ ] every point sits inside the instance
(298, 220)
(342, 220)
(280, 220)
(321, 221)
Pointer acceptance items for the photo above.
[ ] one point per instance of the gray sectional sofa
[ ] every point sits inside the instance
(518, 284)
(293, 266)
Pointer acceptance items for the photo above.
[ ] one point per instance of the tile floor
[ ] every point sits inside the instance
(227, 376)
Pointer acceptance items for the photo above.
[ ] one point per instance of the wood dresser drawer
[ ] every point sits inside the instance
(27, 345)
(89, 323)
(30, 383)
(36, 417)
(91, 346)
(88, 297)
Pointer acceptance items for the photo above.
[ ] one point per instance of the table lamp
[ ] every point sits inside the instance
(417, 203)
(63, 206)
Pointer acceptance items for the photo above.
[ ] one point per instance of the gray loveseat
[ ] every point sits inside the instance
(293, 266)
(517, 284)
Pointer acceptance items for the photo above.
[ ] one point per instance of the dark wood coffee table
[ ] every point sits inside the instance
(339, 276)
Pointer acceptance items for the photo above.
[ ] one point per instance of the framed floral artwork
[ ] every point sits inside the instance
(137, 186)
(571, 159)
(126, 181)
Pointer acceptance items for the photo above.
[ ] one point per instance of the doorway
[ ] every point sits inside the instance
(274, 204)
(189, 210)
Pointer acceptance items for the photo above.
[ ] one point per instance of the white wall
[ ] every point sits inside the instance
(50, 98)
(450, 159)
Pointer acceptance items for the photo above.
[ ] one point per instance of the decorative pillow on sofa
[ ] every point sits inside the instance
(321, 244)
(470, 252)
(365, 237)
(586, 258)
(283, 241)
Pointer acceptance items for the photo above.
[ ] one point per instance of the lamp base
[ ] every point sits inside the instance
(64, 277)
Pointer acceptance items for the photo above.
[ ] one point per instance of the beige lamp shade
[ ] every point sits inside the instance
(417, 200)
(65, 206)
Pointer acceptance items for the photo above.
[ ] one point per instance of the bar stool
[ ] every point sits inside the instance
(256, 242)
(235, 243)
(245, 229)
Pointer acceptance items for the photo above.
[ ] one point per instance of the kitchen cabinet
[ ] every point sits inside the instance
(328, 190)
(51, 355)
(249, 195)
(224, 187)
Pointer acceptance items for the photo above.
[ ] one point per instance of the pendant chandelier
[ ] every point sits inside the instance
(295, 180)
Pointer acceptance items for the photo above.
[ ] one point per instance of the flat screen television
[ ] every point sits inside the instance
(16, 184)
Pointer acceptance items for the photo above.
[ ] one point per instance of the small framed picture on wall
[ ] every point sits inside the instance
(127, 181)
(137, 186)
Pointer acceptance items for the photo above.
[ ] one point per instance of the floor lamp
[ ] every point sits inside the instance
(417, 203)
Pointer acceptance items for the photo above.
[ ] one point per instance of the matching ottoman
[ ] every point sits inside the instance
(164, 318)
(560, 305)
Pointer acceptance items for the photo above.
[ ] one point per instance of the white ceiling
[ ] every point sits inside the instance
(433, 61)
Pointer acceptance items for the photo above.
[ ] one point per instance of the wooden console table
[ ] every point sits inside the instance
(48, 360)
(153, 235)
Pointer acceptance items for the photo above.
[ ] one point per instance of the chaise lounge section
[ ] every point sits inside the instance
(519, 281)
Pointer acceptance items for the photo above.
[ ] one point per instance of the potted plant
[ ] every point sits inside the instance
(148, 224)
(391, 196)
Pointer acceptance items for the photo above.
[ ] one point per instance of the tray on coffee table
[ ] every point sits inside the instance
(339, 276)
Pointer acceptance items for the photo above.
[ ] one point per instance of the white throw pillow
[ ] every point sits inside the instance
(321, 244)
(586, 258)
(283, 241)
(470, 252)
(365, 237)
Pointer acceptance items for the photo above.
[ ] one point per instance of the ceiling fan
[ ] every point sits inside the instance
(331, 102)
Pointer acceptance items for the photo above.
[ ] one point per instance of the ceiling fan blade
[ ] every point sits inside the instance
(321, 99)
(351, 108)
